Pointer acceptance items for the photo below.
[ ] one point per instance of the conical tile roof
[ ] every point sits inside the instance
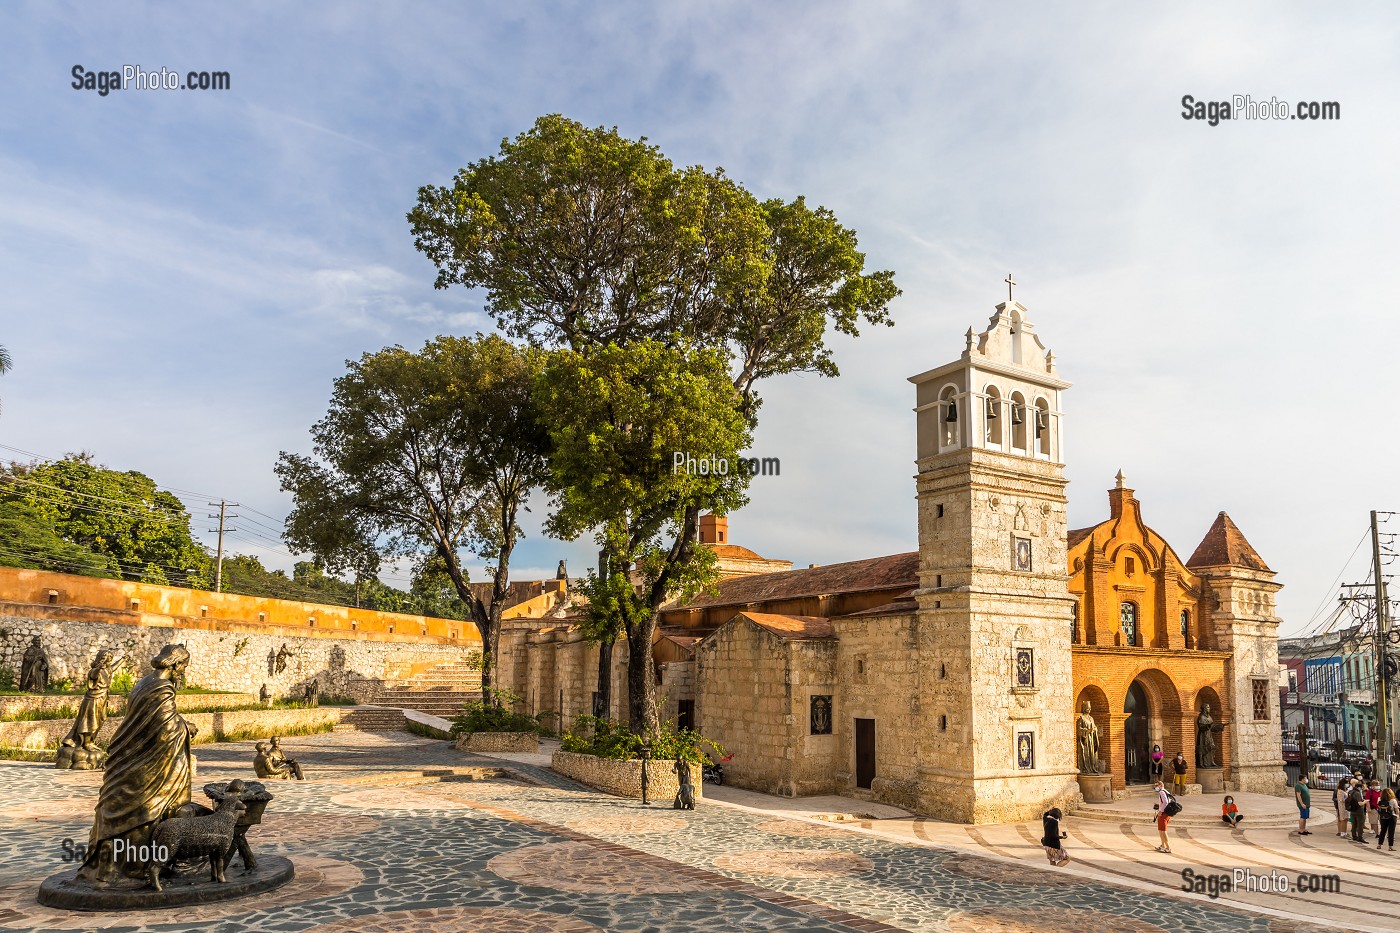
(1225, 544)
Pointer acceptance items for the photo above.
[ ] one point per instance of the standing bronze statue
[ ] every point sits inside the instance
(1089, 760)
(79, 749)
(34, 669)
(1206, 730)
(148, 771)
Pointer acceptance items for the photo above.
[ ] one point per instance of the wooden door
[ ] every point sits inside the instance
(865, 752)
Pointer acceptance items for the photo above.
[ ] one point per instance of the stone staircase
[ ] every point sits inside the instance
(441, 690)
(371, 719)
(1136, 807)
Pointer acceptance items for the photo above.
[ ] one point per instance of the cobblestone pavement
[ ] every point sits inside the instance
(399, 833)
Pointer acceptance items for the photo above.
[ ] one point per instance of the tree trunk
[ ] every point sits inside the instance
(602, 702)
(641, 678)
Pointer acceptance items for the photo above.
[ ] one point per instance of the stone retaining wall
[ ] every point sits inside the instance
(11, 706)
(236, 660)
(624, 778)
(47, 733)
(499, 742)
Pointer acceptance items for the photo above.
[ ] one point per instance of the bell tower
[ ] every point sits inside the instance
(994, 608)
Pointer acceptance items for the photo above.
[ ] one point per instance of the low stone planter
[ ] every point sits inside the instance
(47, 733)
(624, 778)
(499, 742)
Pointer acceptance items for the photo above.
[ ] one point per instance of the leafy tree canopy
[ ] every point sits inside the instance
(144, 532)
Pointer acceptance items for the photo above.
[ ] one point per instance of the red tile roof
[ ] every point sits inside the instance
(1225, 544)
(734, 552)
(791, 626)
(898, 571)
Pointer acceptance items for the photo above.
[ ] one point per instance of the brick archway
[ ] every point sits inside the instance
(1160, 723)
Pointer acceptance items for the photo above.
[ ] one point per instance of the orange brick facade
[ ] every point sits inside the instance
(1139, 620)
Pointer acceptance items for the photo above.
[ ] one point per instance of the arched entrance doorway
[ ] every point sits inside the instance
(1136, 744)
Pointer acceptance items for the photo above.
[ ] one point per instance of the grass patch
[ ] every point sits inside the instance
(15, 753)
(34, 715)
(263, 732)
(427, 731)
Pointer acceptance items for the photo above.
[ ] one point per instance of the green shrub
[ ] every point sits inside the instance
(333, 699)
(7, 679)
(60, 685)
(36, 715)
(481, 716)
(607, 738)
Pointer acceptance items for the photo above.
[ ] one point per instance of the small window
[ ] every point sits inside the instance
(860, 666)
(1129, 566)
(203, 611)
(1261, 699)
(1185, 624)
(391, 629)
(53, 597)
(311, 621)
(721, 537)
(354, 626)
(943, 723)
(940, 510)
(1074, 622)
(262, 616)
(938, 580)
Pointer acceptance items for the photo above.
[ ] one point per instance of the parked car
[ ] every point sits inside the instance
(1291, 754)
(1326, 776)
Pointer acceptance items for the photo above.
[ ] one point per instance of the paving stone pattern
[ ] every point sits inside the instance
(392, 834)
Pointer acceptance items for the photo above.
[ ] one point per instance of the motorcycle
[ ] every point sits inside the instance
(712, 772)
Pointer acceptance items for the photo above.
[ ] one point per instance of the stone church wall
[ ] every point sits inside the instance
(879, 676)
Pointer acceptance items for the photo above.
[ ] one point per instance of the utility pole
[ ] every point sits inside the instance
(219, 560)
(1382, 681)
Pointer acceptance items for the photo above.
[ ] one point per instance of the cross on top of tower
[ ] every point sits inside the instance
(1010, 284)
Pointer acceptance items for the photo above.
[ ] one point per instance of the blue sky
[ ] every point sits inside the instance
(186, 273)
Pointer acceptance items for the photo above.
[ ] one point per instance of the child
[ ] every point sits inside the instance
(1229, 812)
(1050, 838)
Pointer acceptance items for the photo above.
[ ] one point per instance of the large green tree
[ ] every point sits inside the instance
(584, 239)
(144, 532)
(617, 417)
(27, 539)
(429, 455)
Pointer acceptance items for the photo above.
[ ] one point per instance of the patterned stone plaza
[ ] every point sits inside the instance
(399, 833)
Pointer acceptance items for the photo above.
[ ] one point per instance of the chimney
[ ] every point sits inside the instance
(714, 529)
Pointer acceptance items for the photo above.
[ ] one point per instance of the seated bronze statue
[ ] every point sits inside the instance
(270, 762)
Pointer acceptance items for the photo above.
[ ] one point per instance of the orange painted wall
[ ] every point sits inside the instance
(64, 595)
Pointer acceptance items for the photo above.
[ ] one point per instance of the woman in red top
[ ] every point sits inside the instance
(1229, 812)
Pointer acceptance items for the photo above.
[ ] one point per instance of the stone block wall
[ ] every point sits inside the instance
(241, 660)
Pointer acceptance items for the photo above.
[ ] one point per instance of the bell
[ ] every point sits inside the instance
(952, 412)
(1016, 417)
(992, 409)
(1040, 419)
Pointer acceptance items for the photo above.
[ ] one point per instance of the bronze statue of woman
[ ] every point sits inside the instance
(79, 749)
(148, 769)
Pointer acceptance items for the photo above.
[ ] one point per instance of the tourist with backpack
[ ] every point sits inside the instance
(1389, 811)
(1166, 807)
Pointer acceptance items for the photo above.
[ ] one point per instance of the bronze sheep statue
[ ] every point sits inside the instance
(209, 835)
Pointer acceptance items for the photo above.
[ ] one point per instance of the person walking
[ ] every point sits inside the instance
(1179, 774)
(1164, 802)
(1051, 837)
(1230, 813)
(1356, 807)
(1303, 798)
(1389, 811)
(1373, 805)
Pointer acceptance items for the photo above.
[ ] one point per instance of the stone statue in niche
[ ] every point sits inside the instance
(34, 669)
(281, 658)
(1089, 760)
(79, 749)
(1206, 731)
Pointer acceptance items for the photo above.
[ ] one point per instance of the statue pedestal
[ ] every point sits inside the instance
(1212, 780)
(1096, 788)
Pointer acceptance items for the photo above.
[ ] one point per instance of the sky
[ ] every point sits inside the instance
(186, 272)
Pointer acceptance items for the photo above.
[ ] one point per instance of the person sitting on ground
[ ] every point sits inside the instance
(1050, 838)
(1230, 813)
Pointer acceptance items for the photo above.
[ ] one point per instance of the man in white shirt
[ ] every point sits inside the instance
(1163, 798)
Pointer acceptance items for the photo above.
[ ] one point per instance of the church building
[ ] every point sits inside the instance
(950, 680)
